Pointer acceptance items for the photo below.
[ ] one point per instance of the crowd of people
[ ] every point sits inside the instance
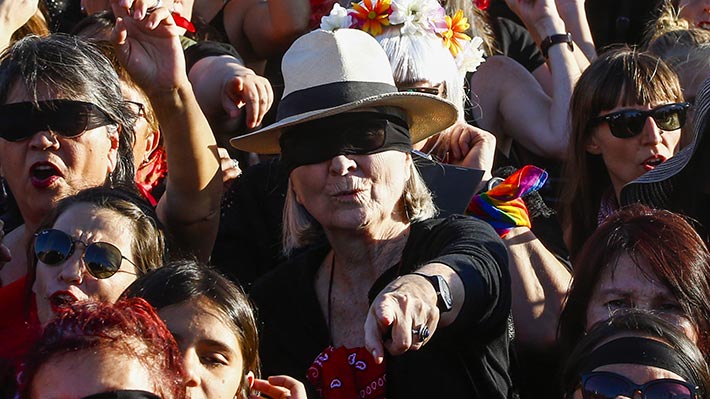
(377, 199)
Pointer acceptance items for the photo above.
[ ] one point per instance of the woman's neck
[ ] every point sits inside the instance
(372, 251)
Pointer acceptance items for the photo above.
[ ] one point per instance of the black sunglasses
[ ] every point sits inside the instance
(630, 122)
(102, 259)
(607, 385)
(67, 118)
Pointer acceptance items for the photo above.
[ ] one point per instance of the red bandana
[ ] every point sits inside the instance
(348, 373)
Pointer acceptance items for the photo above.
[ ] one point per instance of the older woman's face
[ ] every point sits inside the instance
(214, 367)
(353, 191)
(628, 158)
(627, 285)
(76, 375)
(47, 167)
(58, 285)
(696, 12)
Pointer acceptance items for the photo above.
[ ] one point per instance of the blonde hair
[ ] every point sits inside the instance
(300, 228)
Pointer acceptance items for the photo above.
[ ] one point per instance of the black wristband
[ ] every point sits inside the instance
(556, 39)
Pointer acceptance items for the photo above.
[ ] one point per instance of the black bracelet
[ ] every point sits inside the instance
(556, 39)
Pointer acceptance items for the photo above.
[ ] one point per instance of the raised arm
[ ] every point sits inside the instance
(151, 52)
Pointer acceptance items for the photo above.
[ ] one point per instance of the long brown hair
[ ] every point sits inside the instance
(619, 76)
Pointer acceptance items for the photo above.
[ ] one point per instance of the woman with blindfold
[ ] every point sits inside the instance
(99, 350)
(384, 299)
(635, 355)
(627, 111)
(641, 258)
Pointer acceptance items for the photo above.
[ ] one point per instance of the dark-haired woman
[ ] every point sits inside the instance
(645, 259)
(214, 325)
(627, 111)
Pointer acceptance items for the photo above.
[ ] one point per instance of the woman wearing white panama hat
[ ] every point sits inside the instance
(387, 301)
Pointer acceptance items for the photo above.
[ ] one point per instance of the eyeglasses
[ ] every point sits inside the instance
(630, 122)
(606, 385)
(67, 118)
(102, 259)
(438, 90)
(136, 107)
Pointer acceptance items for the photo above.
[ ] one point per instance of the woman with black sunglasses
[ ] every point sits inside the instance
(627, 111)
(635, 355)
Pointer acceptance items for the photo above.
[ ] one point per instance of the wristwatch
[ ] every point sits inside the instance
(556, 39)
(443, 294)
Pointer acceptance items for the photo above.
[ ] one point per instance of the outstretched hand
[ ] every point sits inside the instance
(150, 50)
(398, 313)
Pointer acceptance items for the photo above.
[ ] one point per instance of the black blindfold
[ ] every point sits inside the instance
(352, 133)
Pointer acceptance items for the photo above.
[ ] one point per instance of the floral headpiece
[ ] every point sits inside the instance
(416, 17)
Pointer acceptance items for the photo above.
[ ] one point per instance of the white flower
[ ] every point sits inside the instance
(471, 56)
(339, 18)
(417, 16)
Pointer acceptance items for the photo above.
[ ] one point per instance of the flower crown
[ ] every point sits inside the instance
(416, 17)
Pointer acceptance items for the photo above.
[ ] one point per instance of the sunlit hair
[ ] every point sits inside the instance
(478, 19)
(619, 76)
(423, 57)
(36, 25)
(661, 239)
(148, 242)
(130, 329)
(71, 68)
(185, 280)
(638, 324)
(301, 229)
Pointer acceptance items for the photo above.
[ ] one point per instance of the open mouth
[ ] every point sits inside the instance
(61, 300)
(43, 174)
(652, 162)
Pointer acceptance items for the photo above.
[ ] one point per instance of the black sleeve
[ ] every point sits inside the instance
(204, 49)
(248, 243)
(472, 249)
(517, 43)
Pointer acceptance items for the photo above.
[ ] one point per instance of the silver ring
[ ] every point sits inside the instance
(422, 332)
(235, 163)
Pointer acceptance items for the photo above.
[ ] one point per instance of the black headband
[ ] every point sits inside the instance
(638, 350)
(359, 133)
(124, 394)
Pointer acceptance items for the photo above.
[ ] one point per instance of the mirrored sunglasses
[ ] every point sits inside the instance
(102, 259)
(67, 118)
(607, 385)
(630, 122)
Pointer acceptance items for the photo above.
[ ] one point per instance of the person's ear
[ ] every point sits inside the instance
(592, 146)
(151, 143)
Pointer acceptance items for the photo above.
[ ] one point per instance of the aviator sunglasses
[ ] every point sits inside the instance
(607, 385)
(630, 122)
(102, 259)
(66, 118)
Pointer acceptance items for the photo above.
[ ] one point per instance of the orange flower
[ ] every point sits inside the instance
(372, 15)
(454, 35)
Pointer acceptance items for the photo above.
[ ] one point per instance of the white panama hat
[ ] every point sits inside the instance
(332, 72)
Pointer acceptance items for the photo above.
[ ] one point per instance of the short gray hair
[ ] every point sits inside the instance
(300, 228)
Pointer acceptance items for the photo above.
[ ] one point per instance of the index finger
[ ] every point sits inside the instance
(380, 318)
